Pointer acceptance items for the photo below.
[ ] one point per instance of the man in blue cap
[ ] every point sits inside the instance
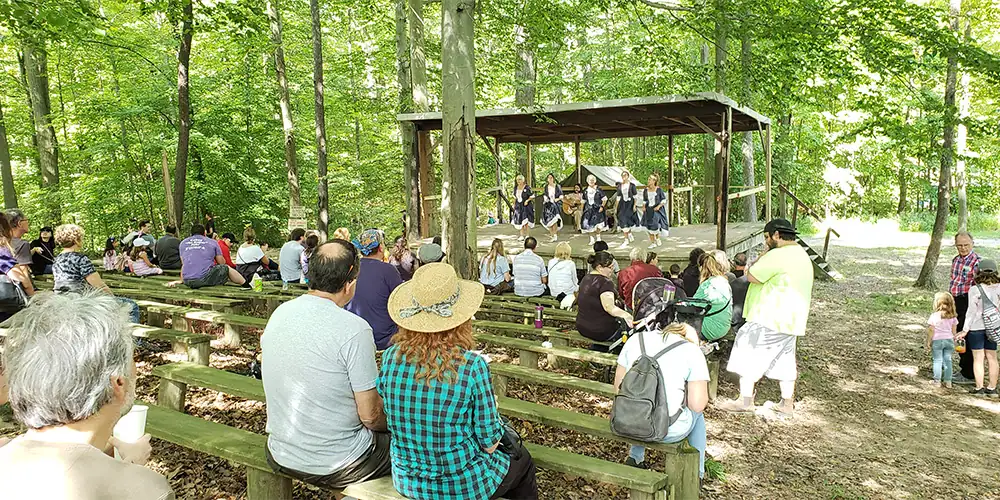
(375, 283)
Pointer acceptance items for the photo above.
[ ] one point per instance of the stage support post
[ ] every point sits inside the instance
(722, 216)
(424, 181)
(670, 181)
(576, 149)
(767, 166)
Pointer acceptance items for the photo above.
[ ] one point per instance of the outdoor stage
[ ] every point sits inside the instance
(740, 237)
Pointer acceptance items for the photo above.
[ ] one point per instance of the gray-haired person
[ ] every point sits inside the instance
(70, 376)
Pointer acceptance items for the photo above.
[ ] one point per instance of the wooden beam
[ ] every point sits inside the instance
(529, 165)
(634, 125)
(748, 192)
(767, 175)
(670, 180)
(707, 130)
(576, 149)
(723, 201)
(424, 181)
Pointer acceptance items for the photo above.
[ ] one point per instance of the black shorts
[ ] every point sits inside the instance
(216, 275)
(372, 464)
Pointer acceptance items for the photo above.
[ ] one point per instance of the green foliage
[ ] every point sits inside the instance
(979, 222)
(715, 470)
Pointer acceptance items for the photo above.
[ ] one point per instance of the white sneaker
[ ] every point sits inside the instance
(553, 238)
(631, 238)
(598, 237)
(520, 238)
(623, 245)
(653, 244)
(659, 242)
(591, 241)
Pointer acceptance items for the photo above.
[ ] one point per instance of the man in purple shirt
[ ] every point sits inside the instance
(202, 263)
(375, 283)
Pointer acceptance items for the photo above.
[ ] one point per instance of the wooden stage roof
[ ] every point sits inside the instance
(584, 121)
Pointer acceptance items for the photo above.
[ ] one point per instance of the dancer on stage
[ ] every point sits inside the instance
(628, 219)
(524, 210)
(594, 218)
(551, 218)
(654, 218)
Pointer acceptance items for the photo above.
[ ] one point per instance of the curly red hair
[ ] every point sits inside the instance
(437, 356)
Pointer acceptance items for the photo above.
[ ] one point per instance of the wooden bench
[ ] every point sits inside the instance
(195, 345)
(643, 484)
(232, 323)
(514, 299)
(558, 338)
(547, 311)
(529, 351)
(682, 460)
(503, 371)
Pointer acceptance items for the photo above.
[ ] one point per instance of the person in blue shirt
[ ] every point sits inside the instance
(494, 270)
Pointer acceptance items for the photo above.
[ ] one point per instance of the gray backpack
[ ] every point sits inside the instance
(640, 409)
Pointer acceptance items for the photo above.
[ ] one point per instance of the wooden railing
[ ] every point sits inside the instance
(783, 192)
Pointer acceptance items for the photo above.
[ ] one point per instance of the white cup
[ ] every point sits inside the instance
(132, 426)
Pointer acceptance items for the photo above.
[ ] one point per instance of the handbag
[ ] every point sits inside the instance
(510, 443)
(12, 296)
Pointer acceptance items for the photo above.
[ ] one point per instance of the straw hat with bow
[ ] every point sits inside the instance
(435, 300)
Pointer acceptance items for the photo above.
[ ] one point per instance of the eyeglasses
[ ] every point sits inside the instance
(963, 245)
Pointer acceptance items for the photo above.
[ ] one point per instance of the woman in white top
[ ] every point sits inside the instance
(628, 218)
(563, 280)
(250, 257)
(983, 349)
(553, 195)
(594, 218)
(654, 216)
(523, 217)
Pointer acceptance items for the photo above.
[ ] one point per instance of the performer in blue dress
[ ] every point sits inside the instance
(628, 219)
(551, 216)
(523, 217)
(654, 217)
(594, 218)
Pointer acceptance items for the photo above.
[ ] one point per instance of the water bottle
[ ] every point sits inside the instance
(669, 290)
(257, 283)
(538, 316)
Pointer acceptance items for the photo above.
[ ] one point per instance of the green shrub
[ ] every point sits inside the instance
(715, 470)
(923, 222)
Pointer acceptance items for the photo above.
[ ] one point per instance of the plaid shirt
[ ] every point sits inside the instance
(963, 273)
(440, 432)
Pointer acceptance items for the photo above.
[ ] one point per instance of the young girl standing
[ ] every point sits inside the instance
(983, 349)
(941, 330)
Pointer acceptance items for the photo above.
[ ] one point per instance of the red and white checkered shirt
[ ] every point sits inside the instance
(963, 273)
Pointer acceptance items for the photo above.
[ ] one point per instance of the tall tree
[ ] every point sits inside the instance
(458, 200)
(322, 189)
(746, 59)
(721, 56)
(37, 76)
(418, 56)
(183, 107)
(926, 277)
(406, 129)
(524, 93)
(274, 17)
(962, 142)
(9, 194)
(708, 164)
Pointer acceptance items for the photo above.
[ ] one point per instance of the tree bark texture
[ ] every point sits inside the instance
(36, 74)
(721, 54)
(9, 194)
(274, 18)
(962, 143)
(708, 171)
(406, 130)
(322, 188)
(458, 202)
(183, 110)
(903, 182)
(746, 59)
(524, 96)
(926, 277)
(418, 56)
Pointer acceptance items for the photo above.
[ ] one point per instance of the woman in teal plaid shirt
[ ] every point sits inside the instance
(438, 398)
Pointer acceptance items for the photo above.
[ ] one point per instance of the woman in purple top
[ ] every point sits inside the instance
(375, 283)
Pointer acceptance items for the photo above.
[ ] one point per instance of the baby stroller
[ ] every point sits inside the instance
(654, 308)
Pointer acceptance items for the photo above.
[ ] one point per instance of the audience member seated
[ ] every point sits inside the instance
(139, 259)
(563, 280)
(602, 246)
(429, 253)
(692, 273)
(715, 289)
(402, 258)
(675, 278)
(226, 242)
(530, 273)
(73, 271)
(202, 263)
(739, 266)
(325, 421)
(71, 377)
(43, 252)
(685, 385)
(494, 270)
(290, 257)
(144, 232)
(597, 312)
(114, 260)
(446, 429)
(652, 259)
(739, 288)
(167, 250)
(20, 225)
(634, 273)
(16, 285)
(251, 259)
(377, 281)
(342, 233)
(308, 247)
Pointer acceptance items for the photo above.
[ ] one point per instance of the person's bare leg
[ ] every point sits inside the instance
(977, 366)
(236, 277)
(745, 402)
(787, 405)
(991, 357)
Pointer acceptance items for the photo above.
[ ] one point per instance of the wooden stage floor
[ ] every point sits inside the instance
(674, 250)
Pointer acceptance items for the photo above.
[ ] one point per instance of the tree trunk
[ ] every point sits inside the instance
(524, 96)
(27, 100)
(9, 194)
(36, 74)
(961, 143)
(418, 57)
(274, 17)
(903, 181)
(926, 277)
(708, 165)
(183, 110)
(458, 202)
(746, 56)
(406, 130)
(322, 188)
(721, 54)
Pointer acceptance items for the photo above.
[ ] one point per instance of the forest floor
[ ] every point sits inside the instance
(869, 424)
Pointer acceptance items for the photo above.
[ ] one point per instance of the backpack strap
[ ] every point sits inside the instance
(677, 415)
(665, 349)
(984, 296)
(719, 311)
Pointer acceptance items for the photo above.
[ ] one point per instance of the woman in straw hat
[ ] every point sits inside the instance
(438, 398)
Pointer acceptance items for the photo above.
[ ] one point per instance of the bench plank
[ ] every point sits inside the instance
(212, 378)
(534, 375)
(647, 481)
(562, 352)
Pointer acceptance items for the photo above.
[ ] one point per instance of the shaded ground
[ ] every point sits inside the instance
(869, 423)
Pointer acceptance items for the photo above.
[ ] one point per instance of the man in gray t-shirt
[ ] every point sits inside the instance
(289, 259)
(530, 273)
(325, 419)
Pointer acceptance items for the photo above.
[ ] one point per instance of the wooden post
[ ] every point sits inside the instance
(826, 243)
(782, 205)
(154, 319)
(178, 322)
(556, 361)
(266, 485)
(722, 216)
(424, 181)
(713, 379)
(670, 181)
(231, 333)
(528, 359)
(199, 353)
(576, 149)
(767, 167)
(529, 165)
(690, 206)
(171, 395)
(683, 477)
(500, 385)
(496, 156)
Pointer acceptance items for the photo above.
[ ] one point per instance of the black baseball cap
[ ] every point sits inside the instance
(781, 226)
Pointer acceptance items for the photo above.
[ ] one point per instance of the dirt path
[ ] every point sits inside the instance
(870, 423)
